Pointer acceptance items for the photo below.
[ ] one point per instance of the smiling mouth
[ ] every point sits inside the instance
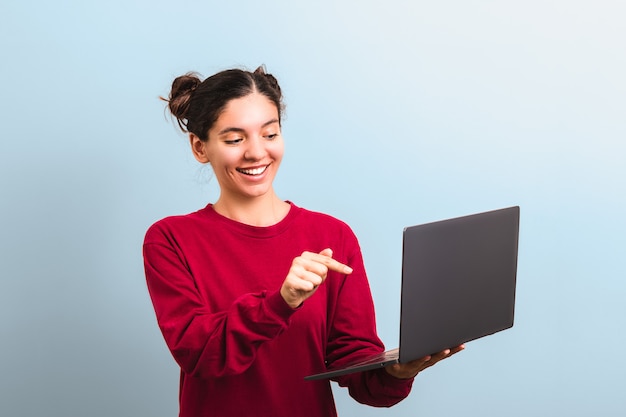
(253, 171)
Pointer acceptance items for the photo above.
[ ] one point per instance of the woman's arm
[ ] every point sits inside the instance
(203, 342)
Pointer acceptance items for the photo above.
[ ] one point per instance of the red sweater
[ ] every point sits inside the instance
(242, 350)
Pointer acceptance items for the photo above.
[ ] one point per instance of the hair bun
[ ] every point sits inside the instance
(180, 96)
(271, 80)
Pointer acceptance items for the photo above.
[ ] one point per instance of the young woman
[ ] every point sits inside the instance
(253, 293)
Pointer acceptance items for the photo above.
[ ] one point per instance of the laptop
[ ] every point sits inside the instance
(458, 285)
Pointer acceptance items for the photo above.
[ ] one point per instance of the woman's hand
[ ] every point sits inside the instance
(308, 271)
(411, 369)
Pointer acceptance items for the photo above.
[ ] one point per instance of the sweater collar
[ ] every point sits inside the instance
(261, 232)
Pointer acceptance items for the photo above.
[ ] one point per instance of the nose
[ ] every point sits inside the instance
(255, 150)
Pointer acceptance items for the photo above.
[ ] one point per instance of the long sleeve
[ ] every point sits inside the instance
(205, 342)
(376, 388)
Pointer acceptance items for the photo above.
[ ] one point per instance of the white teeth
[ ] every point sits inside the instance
(255, 171)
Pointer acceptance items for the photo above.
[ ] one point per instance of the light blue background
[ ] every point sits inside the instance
(399, 112)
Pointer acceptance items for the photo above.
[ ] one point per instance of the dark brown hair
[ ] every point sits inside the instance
(197, 104)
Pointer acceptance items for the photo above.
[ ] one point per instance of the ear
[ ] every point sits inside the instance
(198, 149)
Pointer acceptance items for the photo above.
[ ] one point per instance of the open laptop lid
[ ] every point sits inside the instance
(458, 281)
(458, 284)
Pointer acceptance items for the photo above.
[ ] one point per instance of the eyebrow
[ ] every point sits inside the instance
(238, 129)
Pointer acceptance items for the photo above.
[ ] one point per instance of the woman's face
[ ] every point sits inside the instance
(244, 147)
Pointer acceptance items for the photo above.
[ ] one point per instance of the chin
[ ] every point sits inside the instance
(256, 192)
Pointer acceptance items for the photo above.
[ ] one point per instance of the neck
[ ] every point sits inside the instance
(261, 211)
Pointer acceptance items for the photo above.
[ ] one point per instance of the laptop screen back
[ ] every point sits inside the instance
(458, 281)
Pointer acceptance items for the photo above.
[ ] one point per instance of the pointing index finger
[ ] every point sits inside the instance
(330, 263)
(339, 267)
